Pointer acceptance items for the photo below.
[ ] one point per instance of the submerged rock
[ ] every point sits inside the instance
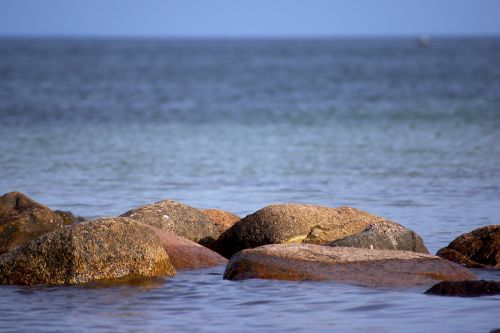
(479, 248)
(465, 288)
(22, 220)
(348, 265)
(384, 236)
(105, 248)
(223, 220)
(181, 219)
(186, 254)
(294, 223)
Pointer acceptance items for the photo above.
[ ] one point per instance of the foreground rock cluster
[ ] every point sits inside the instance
(284, 242)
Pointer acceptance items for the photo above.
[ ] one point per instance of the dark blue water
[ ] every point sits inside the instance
(409, 133)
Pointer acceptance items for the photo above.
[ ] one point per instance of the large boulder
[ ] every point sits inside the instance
(465, 288)
(342, 264)
(223, 220)
(22, 220)
(186, 254)
(181, 219)
(106, 248)
(294, 223)
(384, 236)
(479, 248)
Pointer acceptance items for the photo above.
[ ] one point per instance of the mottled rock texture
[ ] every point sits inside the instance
(181, 219)
(465, 288)
(479, 248)
(22, 220)
(223, 220)
(348, 265)
(294, 223)
(68, 218)
(105, 248)
(186, 254)
(384, 236)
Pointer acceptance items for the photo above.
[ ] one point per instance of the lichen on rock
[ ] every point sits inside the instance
(104, 248)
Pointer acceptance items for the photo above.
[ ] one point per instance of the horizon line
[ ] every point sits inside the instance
(250, 37)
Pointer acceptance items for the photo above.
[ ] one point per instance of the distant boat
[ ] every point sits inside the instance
(424, 41)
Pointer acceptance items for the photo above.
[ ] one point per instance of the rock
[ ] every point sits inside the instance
(67, 217)
(22, 220)
(181, 219)
(105, 248)
(465, 288)
(384, 236)
(347, 265)
(479, 248)
(223, 220)
(186, 254)
(293, 223)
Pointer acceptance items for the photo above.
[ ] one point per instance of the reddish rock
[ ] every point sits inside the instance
(465, 288)
(347, 265)
(176, 217)
(479, 248)
(23, 220)
(186, 254)
(223, 220)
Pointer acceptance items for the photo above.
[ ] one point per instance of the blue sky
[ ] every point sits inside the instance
(251, 18)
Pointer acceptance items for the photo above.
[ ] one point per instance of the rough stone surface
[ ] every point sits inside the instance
(465, 288)
(181, 219)
(186, 254)
(67, 217)
(105, 248)
(479, 248)
(348, 265)
(223, 220)
(22, 220)
(384, 236)
(293, 223)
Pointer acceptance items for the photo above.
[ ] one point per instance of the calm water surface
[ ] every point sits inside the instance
(99, 127)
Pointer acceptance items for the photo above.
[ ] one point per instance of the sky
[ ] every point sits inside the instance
(248, 18)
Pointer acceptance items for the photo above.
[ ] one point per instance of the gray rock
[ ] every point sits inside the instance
(384, 236)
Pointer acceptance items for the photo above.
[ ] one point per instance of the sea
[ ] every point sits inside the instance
(101, 126)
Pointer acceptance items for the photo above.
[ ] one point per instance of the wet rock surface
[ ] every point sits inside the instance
(384, 236)
(223, 220)
(181, 219)
(479, 248)
(294, 223)
(186, 254)
(22, 220)
(105, 248)
(347, 265)
(465, 288)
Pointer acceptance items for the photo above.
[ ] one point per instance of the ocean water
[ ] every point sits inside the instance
(102, 126)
